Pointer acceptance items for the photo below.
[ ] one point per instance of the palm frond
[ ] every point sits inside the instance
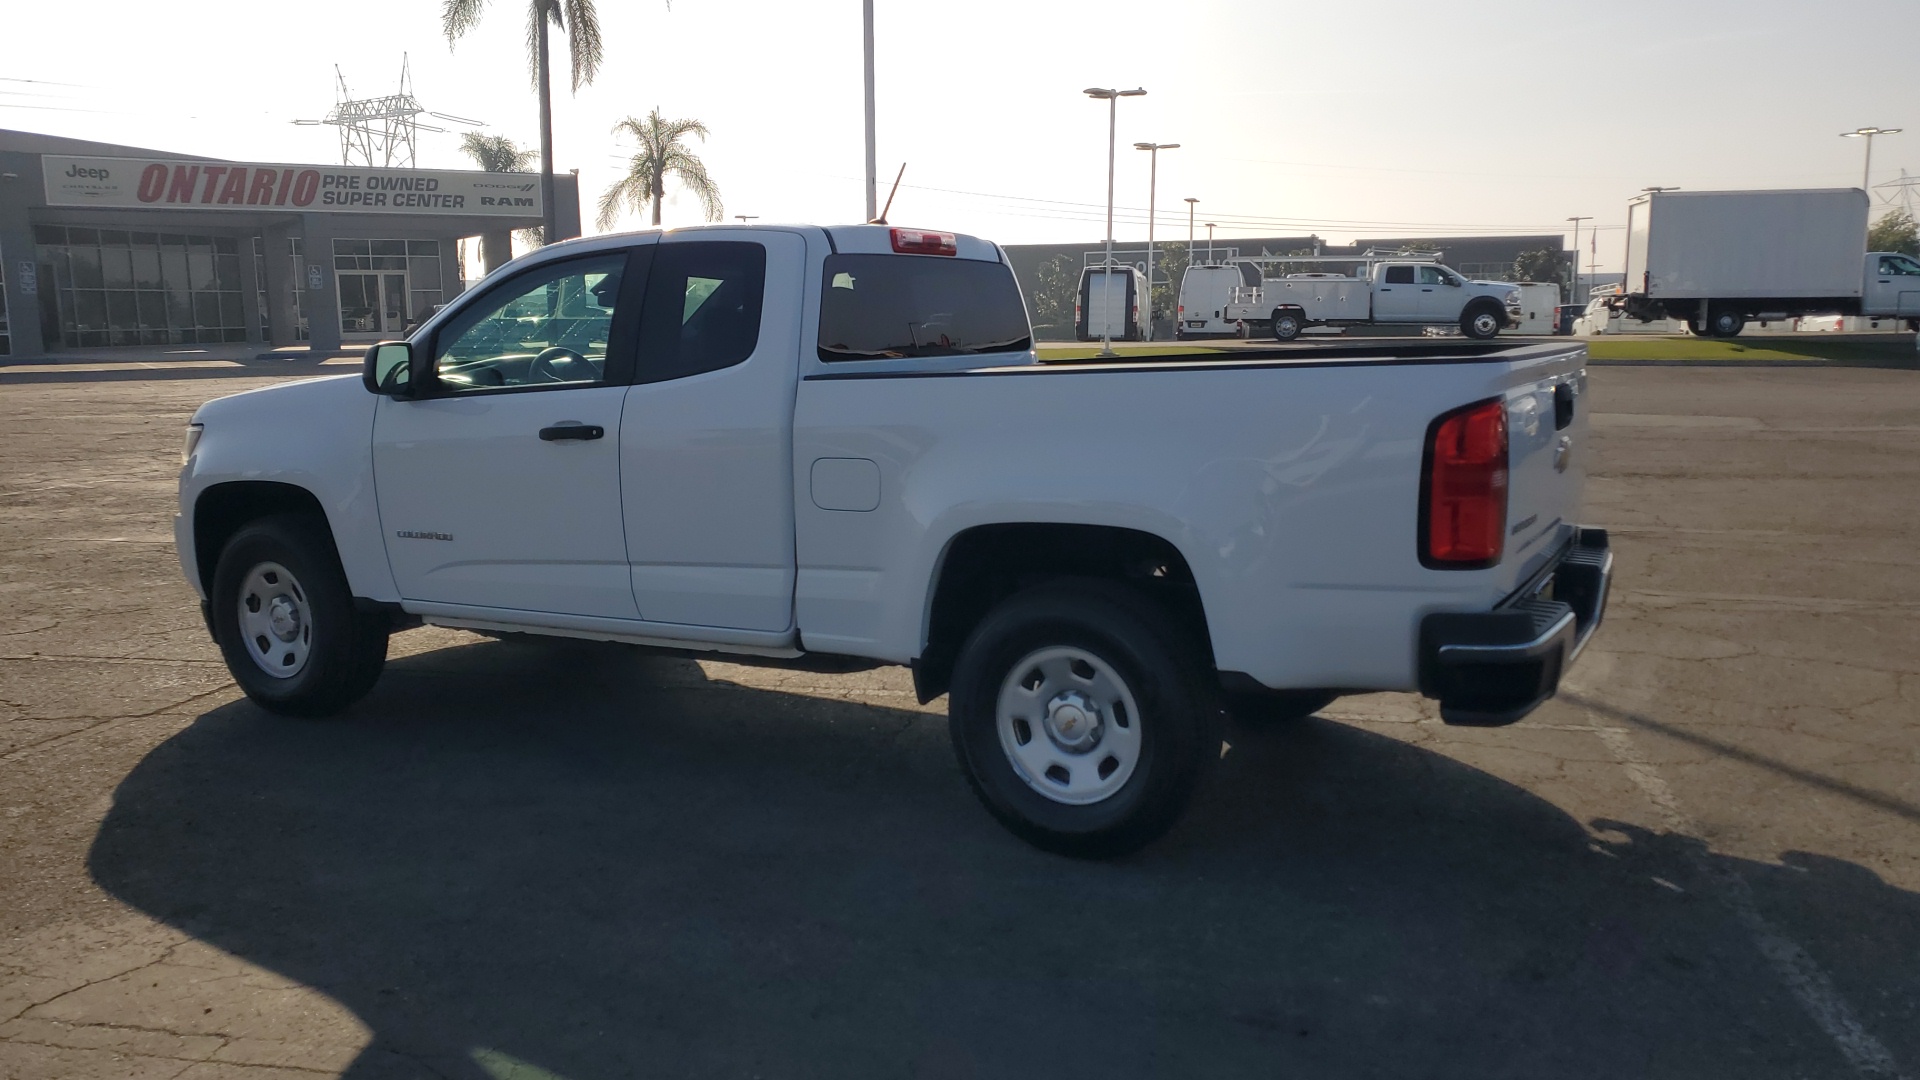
(537, 10)
(584, 46)
(459, 16)
(692, 174)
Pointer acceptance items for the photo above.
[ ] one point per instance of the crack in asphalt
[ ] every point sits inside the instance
(21, 751)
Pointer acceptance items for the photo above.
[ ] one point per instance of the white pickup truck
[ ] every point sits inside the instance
(781, 441)
(1407, 292)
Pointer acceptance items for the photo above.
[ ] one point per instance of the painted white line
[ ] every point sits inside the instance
(1809, 984)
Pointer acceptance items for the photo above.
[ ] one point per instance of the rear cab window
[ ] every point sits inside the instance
(889, 307)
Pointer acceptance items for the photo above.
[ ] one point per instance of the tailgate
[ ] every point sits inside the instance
(1547, 409)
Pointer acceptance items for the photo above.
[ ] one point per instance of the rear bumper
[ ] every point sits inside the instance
(1494, 667)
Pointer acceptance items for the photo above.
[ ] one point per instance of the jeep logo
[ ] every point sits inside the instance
(86, 174)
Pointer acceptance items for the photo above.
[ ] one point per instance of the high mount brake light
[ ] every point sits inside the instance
(1463, 489)
(921, 242)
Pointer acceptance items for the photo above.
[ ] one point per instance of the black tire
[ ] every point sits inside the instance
(1278, 706)
(1726, 324)
(1175, 725)
(344, 648)
(1482, 322)
(1286, 325)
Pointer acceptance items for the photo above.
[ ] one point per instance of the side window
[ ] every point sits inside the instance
(702, 310)
(548, 327)
(1399, 275)
(1897, 264)
(1431, 275)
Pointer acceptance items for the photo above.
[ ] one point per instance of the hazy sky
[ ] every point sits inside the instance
(1345, 119)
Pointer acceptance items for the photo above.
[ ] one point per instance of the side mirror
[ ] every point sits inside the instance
(388, 369)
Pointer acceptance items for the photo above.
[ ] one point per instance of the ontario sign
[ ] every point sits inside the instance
(154, 183)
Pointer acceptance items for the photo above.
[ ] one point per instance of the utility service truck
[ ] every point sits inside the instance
(1401, 290)
(1717, 259)
(836, 445)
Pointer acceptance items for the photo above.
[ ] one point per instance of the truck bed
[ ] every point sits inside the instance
(1289, 478)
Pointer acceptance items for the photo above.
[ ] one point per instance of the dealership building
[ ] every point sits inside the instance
(105, 246)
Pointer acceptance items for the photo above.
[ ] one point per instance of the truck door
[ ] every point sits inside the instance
(1893, 285)
(1396, 298)
(1441, 294)
(499, 487)
(706, 441)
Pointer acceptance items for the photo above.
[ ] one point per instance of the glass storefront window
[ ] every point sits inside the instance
(119, 287)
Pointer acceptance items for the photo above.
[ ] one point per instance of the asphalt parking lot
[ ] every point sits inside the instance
(557, 860)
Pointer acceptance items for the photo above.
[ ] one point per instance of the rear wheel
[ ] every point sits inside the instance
(286, 622)
(1286, 325)
(1726, 324)
(1482, 322)
(1082, 719)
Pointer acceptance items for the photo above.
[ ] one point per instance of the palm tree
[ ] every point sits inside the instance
(575, 18)
(661, 155)
(497, 153)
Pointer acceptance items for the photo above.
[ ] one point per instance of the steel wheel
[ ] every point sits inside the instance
(1069, 725)
(1486, 324)
(276, 620)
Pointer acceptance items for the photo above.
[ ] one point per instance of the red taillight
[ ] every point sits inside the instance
(921, 242)
(1463, 496)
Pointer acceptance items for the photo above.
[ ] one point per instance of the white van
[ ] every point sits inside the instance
(1204, 291)
(1112, 304)
(1539, 305)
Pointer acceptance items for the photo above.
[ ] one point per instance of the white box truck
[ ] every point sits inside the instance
(1717, 259)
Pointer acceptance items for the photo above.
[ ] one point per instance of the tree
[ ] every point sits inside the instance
(1895, 232)
(497, 153)
(1166, 290)
(1543, 265)
(1056, 287)
(661, 155)
(576, 19)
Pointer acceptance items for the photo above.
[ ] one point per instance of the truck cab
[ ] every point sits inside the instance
(1892, 284)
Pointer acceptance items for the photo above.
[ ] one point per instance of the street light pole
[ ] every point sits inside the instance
(1867, 133)
(1190, 205)
(873, 180)
(1573, 291)
(1153, 187)
(1112, 98)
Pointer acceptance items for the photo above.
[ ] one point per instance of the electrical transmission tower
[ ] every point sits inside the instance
(1899, 194)
(381, 132)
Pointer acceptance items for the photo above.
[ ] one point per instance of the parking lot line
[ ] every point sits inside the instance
(1810, 985)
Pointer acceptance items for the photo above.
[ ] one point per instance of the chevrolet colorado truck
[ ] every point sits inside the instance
(792, 442)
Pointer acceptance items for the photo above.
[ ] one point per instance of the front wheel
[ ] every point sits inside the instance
(286, 623)
(1482, 323)
(1286, 326)
(1082, 719)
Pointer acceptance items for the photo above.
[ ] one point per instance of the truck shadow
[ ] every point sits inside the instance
(545, 857)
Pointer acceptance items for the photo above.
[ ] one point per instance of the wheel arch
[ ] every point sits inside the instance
(225, 508)
(984, 564)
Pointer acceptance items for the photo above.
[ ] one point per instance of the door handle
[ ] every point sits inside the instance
(573, 432)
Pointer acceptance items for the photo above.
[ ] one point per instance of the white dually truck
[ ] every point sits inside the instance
(802, 445)
(1407, 290)
(1718, 259)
